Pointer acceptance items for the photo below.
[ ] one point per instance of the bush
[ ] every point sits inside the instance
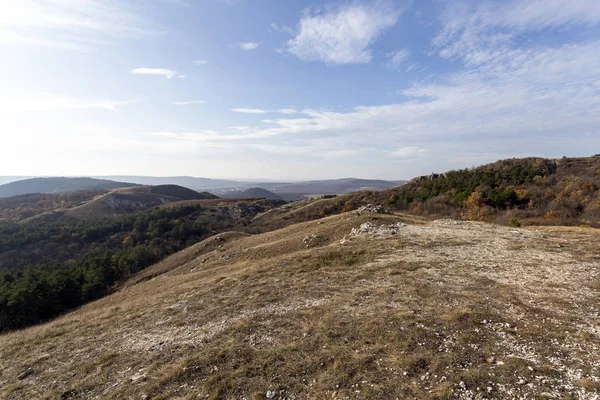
(515, 222)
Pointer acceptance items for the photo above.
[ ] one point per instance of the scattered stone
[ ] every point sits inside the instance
(369, 228)
(179, 305)
(138, 377)
(271, 394)
(377, 209)
(446, 221)
(25, 374)
(312, 240)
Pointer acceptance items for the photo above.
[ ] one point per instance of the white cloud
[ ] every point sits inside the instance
(249, 110)
(68, 24)
(524, 99)
(283, 28)
(287, 111)
(200, 62)
(342, 35)
(42, 101)
(247, 46)
(476, 30)
(397, 58)
(407, 152)
(187, 103)
(167, 73)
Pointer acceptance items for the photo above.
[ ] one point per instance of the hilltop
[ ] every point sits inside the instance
(357, 305)
(93, 204)
(191, 182)
(125, 201)
(251, 193)
(57, 185)
(22, 207)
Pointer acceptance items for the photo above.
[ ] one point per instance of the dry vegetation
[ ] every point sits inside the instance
(438, 310)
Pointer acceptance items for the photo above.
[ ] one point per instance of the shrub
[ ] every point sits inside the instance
(515, 222)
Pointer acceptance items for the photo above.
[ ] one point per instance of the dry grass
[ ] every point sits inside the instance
(437, 311)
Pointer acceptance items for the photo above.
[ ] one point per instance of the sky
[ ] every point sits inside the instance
(294, 89)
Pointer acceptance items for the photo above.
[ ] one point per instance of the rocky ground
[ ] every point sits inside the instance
(363, 305)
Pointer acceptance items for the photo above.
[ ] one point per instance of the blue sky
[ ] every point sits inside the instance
(267, 89)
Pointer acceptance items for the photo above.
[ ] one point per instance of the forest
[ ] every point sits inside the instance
(47, 268)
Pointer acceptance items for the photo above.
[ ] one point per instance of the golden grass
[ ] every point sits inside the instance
(403, 316)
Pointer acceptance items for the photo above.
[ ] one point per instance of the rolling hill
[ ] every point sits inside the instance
(57, 185)
(353, 306)
(286, 190)
(128, 200)
(187, 181)
(329, 186)
(251, 193)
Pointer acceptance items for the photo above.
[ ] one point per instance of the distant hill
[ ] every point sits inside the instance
(187, 181)
(8, 179)
(252, 193)
(329, 186)
(57, 185)
(128, 200)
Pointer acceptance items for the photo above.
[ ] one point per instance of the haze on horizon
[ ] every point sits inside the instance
(294, 90)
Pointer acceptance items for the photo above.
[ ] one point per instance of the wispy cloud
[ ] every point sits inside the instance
(524, 98)
(182, 3)
(476, 31)
(342, 35)
(247, 46)
(287, 111)
(167, 73)
(397, 58)
(187, 103)
(42, 101)
(283, 28)
(408, 152)
(249, 110)
(200, 62)
(75, 25)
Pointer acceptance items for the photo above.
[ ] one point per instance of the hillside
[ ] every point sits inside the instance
(125, 201)
(251, 193)
(353, 306)
(534, 191)
(22, 207)
(57, 185)
(50, 266)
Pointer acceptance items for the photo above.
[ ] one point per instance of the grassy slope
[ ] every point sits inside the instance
(437, 311)
(125, 201)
